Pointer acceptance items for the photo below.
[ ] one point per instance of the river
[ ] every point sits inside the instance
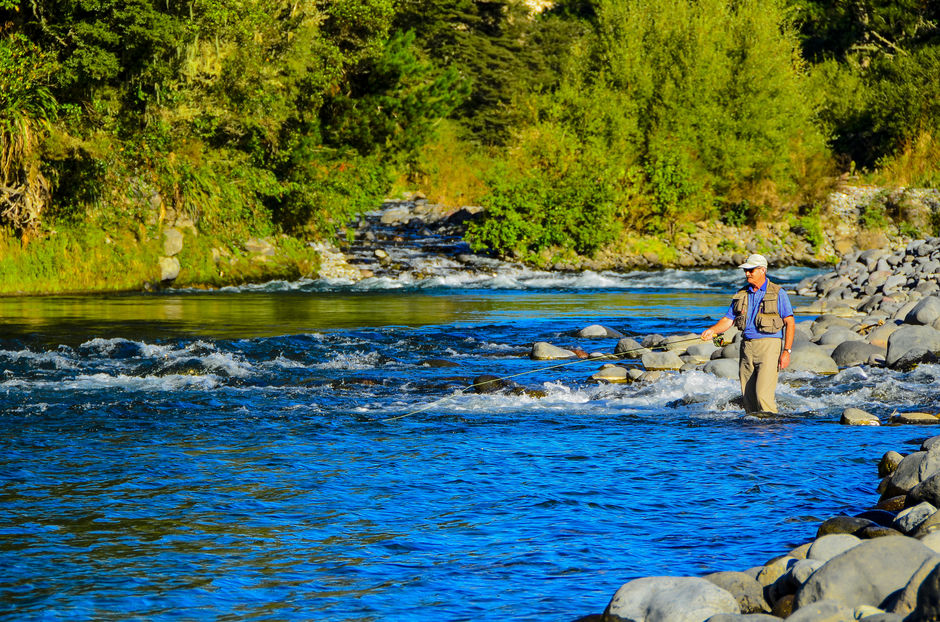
(235, 455)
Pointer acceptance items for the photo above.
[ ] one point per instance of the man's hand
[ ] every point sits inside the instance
(784, 361)
(708, 334)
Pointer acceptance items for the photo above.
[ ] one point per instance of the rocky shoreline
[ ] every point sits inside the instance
(843, 225)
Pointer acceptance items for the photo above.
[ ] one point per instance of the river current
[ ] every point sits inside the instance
(242, 455)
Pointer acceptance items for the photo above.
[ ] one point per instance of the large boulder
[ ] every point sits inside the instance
(669, 599)
(866, 574)
(544, 351)
(723, 368)
(879, 336)
(831, 545)
(596, 331)
(851, 353)
(910, 344)
(661, 361)
(823, 611)
(925, 312)
(912, 470)
(927, 603)
(812, 358)
(836, 335)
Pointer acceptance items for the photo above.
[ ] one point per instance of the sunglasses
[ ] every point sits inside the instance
(752, 269)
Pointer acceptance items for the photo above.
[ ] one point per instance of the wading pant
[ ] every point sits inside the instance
(758, 371)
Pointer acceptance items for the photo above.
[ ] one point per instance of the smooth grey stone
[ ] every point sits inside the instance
(611, 374)
(723, 368)
(904, 602)
(802, 569)
(652, 341)
(882, 617)
(914, 469)
(596, 331)
(843, 524)
(745, 589)
(669, 599)
(743, 617)
(680, 343)
(658, 361)
(811, 358)
(930, 442)
(926, 311)
(823, 611)
(910, 340)
(928, 490)
(831, 545)
(731, 351)
(544, 351)
(866, 574)
(910, 519)
(837, 335)
(629, 348)
(702, 351)
(852, 353)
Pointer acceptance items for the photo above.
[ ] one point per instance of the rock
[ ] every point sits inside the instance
(851, 353)
(892, 504)
(879, 336)
(395, 215)
(880, 517)
(843, 524)
(658, 361)
(854, 416)
(731, 351)
(701, 352)
(929, 442)
(931, 541)
(836, 335)
(544, 351)
(773, 570)
(911, 518)
(745, 589)
(866, 574)
(926, 490)
(906, 600)
(823, 611)
(915, 419)
(487, 383)
(802, 569)
(800, 551)
(630, 348)
(172, 241)
(439, 363)
(612, 374)
(876, 531)
(910, 344)
(723, 368)
(169, 269)
(812, 358)
(912, 470)
(650, 376)
(669, 599)
(831, 545)
(889, 463)
(635, 374)
(930, 526)
(596, 331)
(680, 343)
(876, 615)
(257, 246)
(925, 312)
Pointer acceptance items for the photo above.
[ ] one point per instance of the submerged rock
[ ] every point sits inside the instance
(596, 331)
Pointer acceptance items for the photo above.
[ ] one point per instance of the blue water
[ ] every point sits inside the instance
(230, 455)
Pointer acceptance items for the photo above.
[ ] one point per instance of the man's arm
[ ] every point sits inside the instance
(719, 327)
(789, 328)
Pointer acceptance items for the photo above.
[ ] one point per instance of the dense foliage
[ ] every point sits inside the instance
(570, 124)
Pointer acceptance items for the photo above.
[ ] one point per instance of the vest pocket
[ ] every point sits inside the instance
(768, 322)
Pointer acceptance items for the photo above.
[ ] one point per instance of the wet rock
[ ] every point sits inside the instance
(855, 416)
(544, 351)
(612, 374)
(669, 599)
(865, 574)
(438, 363)
(596, 331)
(915, 419)
(487, 383)
(660, 361)
(881, 517)
(842, 524)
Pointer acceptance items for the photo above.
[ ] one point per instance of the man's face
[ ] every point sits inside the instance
(755, 276)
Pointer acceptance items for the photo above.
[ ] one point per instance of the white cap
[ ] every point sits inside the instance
(754, 261)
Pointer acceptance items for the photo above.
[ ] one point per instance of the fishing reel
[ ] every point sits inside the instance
(719, 341)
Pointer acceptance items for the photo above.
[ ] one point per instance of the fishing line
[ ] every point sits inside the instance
(460, 392)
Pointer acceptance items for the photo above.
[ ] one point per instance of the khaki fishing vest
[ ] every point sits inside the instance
(768, 319)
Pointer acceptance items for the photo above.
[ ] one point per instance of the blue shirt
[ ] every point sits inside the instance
(754, 298)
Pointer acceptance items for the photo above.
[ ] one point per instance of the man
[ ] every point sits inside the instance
(761, 311)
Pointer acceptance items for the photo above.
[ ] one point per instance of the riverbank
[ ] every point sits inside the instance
(170, 250)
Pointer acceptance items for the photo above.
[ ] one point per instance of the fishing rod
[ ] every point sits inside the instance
(717, 340)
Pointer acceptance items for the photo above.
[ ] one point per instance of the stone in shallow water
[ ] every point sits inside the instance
(657, 361)
(544, 351)
(855, 416)
(612, 374)
(596, 331)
